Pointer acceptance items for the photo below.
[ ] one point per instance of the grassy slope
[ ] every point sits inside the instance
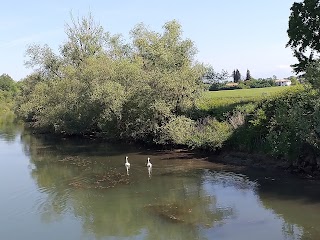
(245, 93)
(216, 103)
(225, 97)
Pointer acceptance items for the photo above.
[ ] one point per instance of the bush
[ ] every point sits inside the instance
(223, 86)
(292, 123)
(283, 126)
(209, 134)
(178, 131)
(252, 83)
(259, 83)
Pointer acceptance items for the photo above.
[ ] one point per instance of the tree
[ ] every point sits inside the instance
(248, 75)
(215, 77)
(166, 51)
(85, 38)
(313, 74)
(303, 32)
(236, 76)
(44, 61)
(98, 83)
(7, 83)
(294, 80)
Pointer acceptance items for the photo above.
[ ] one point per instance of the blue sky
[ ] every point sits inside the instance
(244, 34)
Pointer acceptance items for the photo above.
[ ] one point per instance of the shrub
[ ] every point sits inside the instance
(209, 134)
(206, 133)
(284, 125)
(178, 131)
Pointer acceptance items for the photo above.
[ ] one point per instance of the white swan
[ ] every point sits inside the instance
(127, 164)
(150, 171)
(149, 164)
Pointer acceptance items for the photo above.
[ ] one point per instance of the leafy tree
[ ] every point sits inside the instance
(215, 77)
(86, 38)
(44, 61)
(7, 83)
(167, 51)
(304, 33)
(248, 75)
(100, 84)
(313, 74)
(8, 91)
(294, 80)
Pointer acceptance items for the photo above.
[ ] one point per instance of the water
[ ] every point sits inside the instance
(54, 188)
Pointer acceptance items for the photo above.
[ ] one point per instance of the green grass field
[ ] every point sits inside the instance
(245, 93)
(219, 102)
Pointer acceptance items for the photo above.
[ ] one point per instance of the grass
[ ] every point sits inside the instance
(217, 103)
(244, 93)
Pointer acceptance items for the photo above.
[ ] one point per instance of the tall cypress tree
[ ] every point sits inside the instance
(236, 76)
(248, 75)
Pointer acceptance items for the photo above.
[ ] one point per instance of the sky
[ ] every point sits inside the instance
(233, 34)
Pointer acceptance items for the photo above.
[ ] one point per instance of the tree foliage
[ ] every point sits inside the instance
(8, 91)
(313, 74)
(304, 33)
(86, 38)
(7, 83)
(213, 77)
(98, 83)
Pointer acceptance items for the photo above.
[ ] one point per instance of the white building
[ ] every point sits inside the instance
(283, 82)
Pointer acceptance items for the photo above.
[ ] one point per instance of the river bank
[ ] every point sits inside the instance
(225, 158)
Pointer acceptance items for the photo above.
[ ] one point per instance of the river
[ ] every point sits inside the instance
(57, 188)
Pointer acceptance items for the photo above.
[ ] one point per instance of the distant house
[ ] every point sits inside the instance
(283, 82)
(232, 84)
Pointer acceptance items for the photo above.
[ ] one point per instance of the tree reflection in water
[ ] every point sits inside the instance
(9, 128)
(95, 188)
(88, 180)
(296, 201)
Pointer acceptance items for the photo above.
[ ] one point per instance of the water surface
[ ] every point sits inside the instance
(53, 188)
